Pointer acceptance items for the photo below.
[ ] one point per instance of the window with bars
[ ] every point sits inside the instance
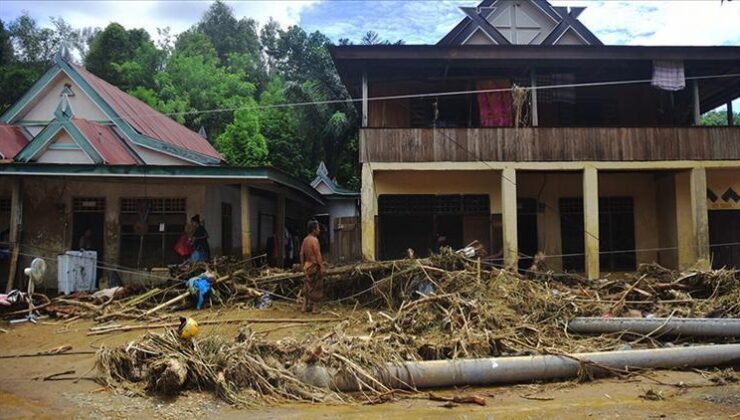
(153, 205)
(434, 204)
(150, 227)
(5, 205)
(616, 233)
(88, 204)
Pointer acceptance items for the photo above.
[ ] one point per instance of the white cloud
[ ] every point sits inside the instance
(686, 22)
(150, 15)
(707, 22)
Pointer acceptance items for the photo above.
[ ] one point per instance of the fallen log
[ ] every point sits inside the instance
(119, 328)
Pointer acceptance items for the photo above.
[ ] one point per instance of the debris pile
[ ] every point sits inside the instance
(248, 370)
(444, 307)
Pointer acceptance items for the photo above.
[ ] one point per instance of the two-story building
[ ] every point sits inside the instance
(521, 130)
(79, 154)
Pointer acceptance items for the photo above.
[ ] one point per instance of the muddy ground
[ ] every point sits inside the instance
(22, 396)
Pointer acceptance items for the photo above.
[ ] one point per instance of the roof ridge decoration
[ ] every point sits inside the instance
(63, 120)
(322, 175)
(501, 20)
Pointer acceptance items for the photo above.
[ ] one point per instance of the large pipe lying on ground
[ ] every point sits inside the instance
(694, 327)
(504, 370)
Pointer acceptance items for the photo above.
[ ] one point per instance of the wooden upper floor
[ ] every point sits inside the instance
(537, 103)
(541, 144)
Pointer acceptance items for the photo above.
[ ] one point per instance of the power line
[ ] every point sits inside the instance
(418, 95)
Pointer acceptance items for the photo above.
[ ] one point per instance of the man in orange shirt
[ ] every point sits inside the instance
(313, 268)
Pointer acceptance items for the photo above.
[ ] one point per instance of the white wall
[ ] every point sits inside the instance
(48, 101)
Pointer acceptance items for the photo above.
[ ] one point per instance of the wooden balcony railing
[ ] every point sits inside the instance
(549, 144)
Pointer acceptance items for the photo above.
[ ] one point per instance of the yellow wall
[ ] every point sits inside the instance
(719, 180)
(553, 186)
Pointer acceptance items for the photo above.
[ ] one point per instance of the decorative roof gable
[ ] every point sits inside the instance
(327, 186)
(520, 22)
(133, 120)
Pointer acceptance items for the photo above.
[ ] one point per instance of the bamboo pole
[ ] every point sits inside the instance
(121, 328)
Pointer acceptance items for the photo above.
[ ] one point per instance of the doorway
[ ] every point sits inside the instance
(88, 214)
(227, 223)
(526, 224)
(724, 238)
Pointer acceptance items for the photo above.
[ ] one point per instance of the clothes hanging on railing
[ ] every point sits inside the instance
(668, 75)
(495, 107)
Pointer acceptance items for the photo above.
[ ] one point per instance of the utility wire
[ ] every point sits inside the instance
(417, 95)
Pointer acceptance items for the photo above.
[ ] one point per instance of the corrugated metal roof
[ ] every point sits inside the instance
(12, 140)
(106, 142)
(146, 120)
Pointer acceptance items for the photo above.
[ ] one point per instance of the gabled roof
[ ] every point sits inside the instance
(106, 142)
(322, 177)
(138, 122)
(12, 141)
(146, 120)
(477, 20)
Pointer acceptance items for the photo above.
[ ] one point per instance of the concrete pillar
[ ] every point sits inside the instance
(684, 226)
(245, 221)
(591, 221)
(509, 217)
(16, 226)
(692, 219)
(368, 211)
(700, 216)
(280, 228)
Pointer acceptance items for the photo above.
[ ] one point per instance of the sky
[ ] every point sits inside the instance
(667, 22)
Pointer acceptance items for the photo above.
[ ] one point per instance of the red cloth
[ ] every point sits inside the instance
(183, 247)
(495, 107)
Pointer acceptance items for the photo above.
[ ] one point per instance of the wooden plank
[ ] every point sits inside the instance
(550, 144)
(16, 227)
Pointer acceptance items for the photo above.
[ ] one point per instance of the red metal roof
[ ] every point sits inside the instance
(106, 142)
(12, 140)
(146, 120)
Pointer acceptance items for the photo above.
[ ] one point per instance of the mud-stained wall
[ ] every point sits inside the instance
(47, 223)
(549, 188)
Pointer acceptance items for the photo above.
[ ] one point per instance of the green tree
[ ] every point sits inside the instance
(228, 34)
(242, 143)
(125, 58)
(192, 82)
(280, 125)
(6, 46)
(713, 118)
(328, 130)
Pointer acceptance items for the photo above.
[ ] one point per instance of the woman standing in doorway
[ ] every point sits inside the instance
(201, 249)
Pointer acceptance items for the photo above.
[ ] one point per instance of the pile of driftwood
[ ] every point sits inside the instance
(247, 370)
(443, 307)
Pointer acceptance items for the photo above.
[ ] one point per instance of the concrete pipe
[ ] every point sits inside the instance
(506, 370)
(688, 327)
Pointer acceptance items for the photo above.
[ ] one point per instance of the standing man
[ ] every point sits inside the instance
(313, 268)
